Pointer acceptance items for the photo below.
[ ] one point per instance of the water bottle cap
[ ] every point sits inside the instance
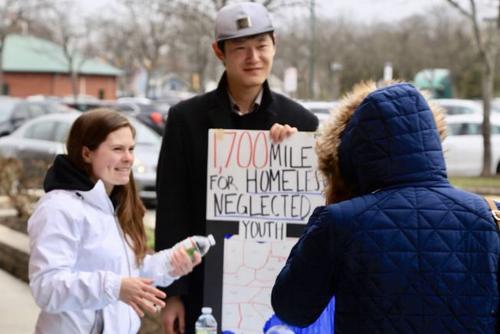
(211, 240)
(206, 310)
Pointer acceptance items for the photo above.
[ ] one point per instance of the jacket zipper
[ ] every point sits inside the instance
(122, 237)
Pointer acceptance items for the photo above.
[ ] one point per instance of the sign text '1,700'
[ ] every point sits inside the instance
(253, 149)
(242, 150)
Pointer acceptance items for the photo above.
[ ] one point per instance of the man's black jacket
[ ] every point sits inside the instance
(182, 169)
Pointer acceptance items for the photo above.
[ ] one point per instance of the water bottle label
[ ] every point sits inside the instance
(190, 247)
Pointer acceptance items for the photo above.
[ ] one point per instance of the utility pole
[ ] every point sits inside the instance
(312, 37)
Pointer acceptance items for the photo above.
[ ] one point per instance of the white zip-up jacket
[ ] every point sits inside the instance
(78, 258)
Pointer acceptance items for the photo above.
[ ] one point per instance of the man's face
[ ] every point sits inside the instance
(248, 60)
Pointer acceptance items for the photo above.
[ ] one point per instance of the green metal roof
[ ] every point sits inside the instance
(437, 81)
(32, 54)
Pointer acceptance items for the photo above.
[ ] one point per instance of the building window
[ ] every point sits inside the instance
(101, 94)
(5, 89)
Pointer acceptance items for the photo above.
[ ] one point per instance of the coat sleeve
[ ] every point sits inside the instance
(304, 286)
(311, 123)
(173, 220)
(56, 286)
(305, 120)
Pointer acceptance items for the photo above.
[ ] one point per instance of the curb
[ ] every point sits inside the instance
(14, 253)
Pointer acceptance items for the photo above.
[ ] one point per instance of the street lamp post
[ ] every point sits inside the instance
(312, 22)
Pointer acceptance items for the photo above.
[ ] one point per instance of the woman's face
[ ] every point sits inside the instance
(112, 161)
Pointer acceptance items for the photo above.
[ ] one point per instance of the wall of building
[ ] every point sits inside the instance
(26, 84)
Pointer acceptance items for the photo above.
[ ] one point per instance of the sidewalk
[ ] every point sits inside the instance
(17, 308)
(18, 311)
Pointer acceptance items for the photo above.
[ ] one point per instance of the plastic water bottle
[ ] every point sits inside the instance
(279, 329)
(206, 323)
(198, 243)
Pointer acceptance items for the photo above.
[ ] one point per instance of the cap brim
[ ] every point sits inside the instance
(245, 33)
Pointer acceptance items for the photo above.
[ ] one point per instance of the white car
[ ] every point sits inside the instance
(42, 138)
(463, 148)
(322, 109)
(464, 107)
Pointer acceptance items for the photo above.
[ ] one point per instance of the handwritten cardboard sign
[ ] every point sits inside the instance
(259, 196)
(252, 179)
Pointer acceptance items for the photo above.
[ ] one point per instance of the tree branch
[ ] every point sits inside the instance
(462, 10)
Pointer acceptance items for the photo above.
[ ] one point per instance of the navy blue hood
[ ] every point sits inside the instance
(390, 140)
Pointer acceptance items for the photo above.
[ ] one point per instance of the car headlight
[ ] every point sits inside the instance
(139, 167)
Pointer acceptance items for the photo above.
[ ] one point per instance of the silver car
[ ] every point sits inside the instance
(463, 147)
(455, 107)
(322, 109)
(41, 139)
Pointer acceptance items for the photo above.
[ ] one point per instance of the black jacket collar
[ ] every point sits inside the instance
(64, 175)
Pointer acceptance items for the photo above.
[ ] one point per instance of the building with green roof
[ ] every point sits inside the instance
(33, 66)
(436, 81)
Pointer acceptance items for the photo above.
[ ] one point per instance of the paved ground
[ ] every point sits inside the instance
(17, 307)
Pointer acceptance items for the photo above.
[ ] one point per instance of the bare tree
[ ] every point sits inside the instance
(115, 45)
(13, 14)
(487, 41)
(71, 32)
(152, 33)
(179, 36)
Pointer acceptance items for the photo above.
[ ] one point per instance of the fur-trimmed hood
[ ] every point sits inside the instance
(380, 138)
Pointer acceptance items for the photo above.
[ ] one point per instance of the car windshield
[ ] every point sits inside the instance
(144, 135)
(6, 108)
(459, 110)
(58, 107)
(464, 129)
(461, 129)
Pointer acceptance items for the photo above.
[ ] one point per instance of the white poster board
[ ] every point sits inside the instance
(262, 187)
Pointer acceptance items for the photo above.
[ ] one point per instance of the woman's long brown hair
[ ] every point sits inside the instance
(90, 130)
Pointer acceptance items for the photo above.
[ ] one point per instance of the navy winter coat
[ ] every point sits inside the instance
(411, 253)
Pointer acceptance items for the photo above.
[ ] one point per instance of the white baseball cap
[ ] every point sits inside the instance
(242, 19)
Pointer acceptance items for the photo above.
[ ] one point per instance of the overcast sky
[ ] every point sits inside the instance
(357, 10)
(366, 10)
(373, 10)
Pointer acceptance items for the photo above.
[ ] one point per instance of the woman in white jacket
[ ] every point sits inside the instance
(89, 268)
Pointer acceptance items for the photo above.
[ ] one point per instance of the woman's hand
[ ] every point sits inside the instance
(140, 293)
(181, 263)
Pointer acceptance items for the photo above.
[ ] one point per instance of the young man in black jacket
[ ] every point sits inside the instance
(245, 43)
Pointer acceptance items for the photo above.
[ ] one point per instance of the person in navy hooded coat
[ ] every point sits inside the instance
(400, 249)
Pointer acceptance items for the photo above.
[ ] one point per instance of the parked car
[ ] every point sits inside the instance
(41, 139)
(149, 112)
(85, 102)
(496, 103)
(464, 107)
(8, 120)
(14, 112)
(464, 145)
(322, 109)
(172, 97)
(460, 106)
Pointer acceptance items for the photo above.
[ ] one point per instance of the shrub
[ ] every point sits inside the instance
(21, 184)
